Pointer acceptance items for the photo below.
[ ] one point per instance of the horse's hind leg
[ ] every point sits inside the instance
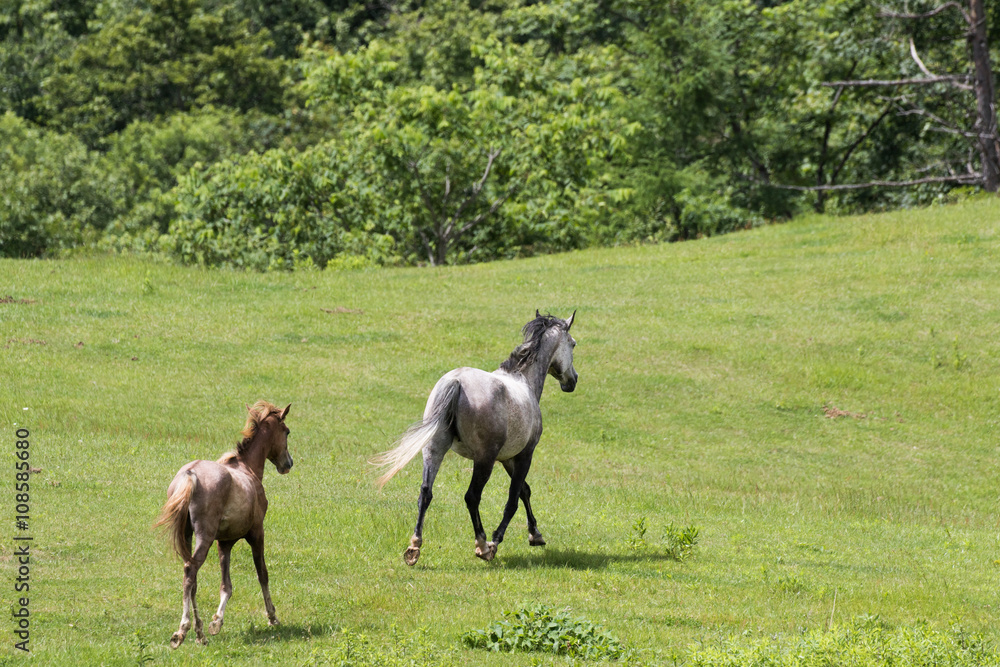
(191, 568)
(433, 455)
(535, 538)
(481, 471)
(178, 637)
(518, 471)
(225, 549)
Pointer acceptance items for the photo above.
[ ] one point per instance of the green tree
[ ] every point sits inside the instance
(33, 37)
(515, 158)
(161, 57)
(52, 195)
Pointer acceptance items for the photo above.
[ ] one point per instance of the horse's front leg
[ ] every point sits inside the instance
(518, 470)
(256, 540)
(535, 538)
(481, 471)
(225, 549)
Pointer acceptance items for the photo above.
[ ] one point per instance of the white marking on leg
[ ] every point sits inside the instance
(216, 624)
(271, 618)
(485, 550)
(178, 638)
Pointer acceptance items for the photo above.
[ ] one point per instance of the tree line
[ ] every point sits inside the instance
(344, 133)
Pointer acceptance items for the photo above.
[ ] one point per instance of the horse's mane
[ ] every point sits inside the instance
(260, 411)
(526, 353)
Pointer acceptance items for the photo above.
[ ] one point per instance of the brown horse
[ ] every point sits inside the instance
(224, 500)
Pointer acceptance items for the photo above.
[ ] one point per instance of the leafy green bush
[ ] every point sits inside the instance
(865, 641)
(52, 195)
(145, 160)
(539, 628)
(709, 214)
(279, 210)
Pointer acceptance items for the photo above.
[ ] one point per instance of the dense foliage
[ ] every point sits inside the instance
(282, 136)
(541, 628)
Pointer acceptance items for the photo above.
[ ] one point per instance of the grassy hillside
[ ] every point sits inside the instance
(819, 398)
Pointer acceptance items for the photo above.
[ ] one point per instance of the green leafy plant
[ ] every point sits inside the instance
(791, 585)
(958, 358)
(539, 628)
(637, 542)
(680, 542)
(142, 656)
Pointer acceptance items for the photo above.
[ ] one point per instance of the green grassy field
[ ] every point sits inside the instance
(820, 399)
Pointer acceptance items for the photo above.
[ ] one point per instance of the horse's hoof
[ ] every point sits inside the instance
(536, 540)
(215, 625)
(273, 621)
(177, 639)
(203, 641)
(411, 555)
(488, 553)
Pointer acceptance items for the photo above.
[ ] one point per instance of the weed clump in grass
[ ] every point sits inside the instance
(539, 628)
(865, 641)
(680, 542)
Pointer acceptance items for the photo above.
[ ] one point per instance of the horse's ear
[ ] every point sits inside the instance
(537, 314)
(569, 322)
(247, 406)
(284, 412)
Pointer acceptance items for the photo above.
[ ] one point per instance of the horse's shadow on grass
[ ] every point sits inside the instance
(266, 634)
(578, 560)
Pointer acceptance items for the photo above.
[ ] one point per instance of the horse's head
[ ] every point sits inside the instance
(561, 366)
(277, 452)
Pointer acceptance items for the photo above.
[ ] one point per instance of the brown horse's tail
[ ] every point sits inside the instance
(175, 515)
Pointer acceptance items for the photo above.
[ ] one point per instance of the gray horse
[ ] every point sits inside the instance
(488, 417)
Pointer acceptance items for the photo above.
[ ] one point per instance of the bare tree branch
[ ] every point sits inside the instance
(827, 131)
(859, 141)
(954, 80)
(923, 68)
(945, 125)
(493, 209)
(886, 14)
(959, 178)
(916, 59)
(476, 189)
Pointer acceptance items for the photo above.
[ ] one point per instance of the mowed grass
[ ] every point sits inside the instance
(707, 371)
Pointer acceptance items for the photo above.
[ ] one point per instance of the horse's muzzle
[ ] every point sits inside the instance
(570, 385)
(284, 469)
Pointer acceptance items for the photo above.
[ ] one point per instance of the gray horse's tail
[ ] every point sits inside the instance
(420, 434)
(174, 515)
